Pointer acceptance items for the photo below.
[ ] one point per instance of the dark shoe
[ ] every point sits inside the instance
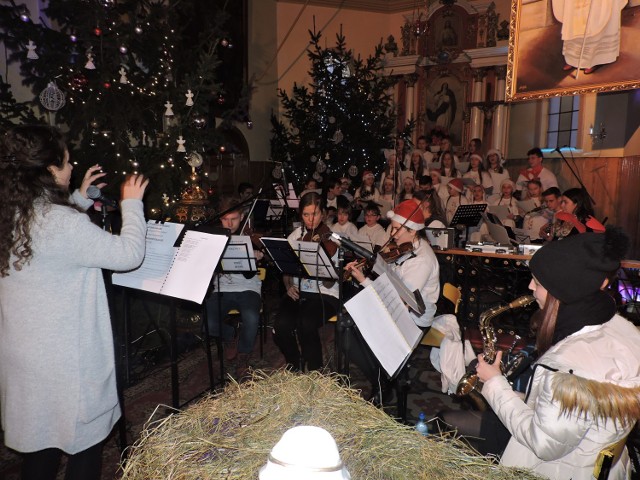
(230, 350)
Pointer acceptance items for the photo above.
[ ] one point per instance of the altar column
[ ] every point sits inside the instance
(410, 100)
(499, 126)
(478, 95)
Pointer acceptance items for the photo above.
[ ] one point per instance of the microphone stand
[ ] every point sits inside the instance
(344, 322)
(575, 174)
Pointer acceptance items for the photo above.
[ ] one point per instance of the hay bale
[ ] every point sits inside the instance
(231, 434)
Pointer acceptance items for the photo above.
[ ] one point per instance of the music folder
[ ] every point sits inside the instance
(385, 323)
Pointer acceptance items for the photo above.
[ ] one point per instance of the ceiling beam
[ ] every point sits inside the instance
(381, 6)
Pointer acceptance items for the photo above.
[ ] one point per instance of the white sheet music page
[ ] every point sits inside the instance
(194, 265)
(315, 260)
(239, 255)
(385, 324)
(158, 257)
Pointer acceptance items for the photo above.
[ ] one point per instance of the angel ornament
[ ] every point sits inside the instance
(168, 112)
(189, 96)
(31, 53)
(89, 65)
(181, 141)
(123, 75)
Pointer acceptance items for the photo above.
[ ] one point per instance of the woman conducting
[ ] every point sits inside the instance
(585, 391)
(57, 373)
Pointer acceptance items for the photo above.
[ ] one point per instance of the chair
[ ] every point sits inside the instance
(433, 338)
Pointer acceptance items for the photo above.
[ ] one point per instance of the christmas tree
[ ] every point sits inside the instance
(132, 84)
(339, 124)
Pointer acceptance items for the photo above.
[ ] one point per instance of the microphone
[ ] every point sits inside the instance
(95, 194)
(354, 247)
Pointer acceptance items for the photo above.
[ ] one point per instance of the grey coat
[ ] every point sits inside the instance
(57, 372)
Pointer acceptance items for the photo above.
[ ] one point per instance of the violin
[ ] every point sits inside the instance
(390, 253)
(321, 235)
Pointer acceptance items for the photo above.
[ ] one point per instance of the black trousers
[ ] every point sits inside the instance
(44, 464)
(299, 322)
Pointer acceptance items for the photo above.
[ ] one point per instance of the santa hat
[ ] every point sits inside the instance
(507, 181)
(495, 151)
(409, 214)
(475, 155)
(456, 184)
(367, 174)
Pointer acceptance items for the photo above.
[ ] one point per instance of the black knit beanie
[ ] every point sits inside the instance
(577, 266)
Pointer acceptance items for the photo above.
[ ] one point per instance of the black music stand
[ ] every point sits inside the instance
(469, 216)
(237, 258)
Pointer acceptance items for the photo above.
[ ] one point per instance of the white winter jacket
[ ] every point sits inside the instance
(584, 396)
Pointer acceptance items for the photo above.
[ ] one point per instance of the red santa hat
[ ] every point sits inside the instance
(409, 214)
(456, 184)
(367, 174)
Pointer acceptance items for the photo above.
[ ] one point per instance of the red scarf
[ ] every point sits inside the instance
(531, 173)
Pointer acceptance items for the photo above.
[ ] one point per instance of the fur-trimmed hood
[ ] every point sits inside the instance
(599, 400)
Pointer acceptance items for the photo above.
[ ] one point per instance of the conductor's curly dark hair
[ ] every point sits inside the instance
(26, 153)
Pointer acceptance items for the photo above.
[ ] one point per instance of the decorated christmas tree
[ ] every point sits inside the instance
(132, 84)
(339, 124)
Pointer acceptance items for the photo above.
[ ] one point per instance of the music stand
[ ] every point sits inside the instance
(468, 215)
(238, 257)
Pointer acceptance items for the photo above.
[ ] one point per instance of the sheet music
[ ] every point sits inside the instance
(158, 256)
(383, 268)
(315, 260)
(500, 211)
(194, 265)
(526, 205)
(182, 272)
(385, 324)
(239, 255)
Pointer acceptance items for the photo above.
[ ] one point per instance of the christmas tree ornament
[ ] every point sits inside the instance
(168, 112)
(97, 31)
(123, 49)
(106, 84)
(353, 171)
(198, 121)
(79, 81)
(189, 95)
(194, 159)
(24, 15)
(317, 177)
(332, 119)
(223, 148)
(138, 29)
(313, 159)
(181, 141)
(221, 100)
(123, 75)
(312, 144)
(73, 38)
(94, 124)
(338, 136)
(52, 98)
(249, 124)
(295, 131)
(224, 42)
(89, 65)
(31, 53)
(321, 166)
(276, 173)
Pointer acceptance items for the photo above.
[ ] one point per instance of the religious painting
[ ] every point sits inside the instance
(572, 47)
(445, 105)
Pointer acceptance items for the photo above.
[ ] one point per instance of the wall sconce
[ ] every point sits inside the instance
(599, 134)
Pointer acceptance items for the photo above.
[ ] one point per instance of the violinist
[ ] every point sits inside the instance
(235, 291)
(418, 270)
(307, 303)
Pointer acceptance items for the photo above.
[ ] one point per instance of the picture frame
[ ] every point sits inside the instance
(542, 48)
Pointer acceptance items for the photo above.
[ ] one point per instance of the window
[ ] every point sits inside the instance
(562, 130)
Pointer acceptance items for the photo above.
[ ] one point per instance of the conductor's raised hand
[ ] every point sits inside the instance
(93, 173)
(134, 187)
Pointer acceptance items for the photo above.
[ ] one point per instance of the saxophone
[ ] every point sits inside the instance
(470, 384)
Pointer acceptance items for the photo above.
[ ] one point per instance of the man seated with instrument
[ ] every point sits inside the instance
(235, 291)
(417, 268)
